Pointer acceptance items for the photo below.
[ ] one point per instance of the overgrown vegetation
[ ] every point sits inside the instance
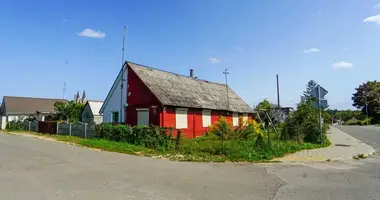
(67, 111)
(15, 125)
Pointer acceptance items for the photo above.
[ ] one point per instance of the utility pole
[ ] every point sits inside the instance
(122, 78)
(225, 74)
(278, 92)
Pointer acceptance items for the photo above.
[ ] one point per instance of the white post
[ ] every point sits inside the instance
(320, 113)
(57, 127)
(70, 129)
(29, 125)
(85, 130)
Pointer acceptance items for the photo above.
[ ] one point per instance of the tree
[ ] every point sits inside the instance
(264, 105)
(70, 111)
(307, 94)
(367, 96)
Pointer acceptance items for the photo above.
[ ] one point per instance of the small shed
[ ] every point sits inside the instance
(90, 113)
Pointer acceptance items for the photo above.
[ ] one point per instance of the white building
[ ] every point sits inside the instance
(90, 113)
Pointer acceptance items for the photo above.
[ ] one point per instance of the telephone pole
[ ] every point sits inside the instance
(278, 92)
(122, 78)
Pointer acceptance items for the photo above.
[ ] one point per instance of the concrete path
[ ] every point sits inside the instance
(344, 147)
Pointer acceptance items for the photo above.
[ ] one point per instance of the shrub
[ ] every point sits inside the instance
(221, 130)
(247, 129)
(15, 125)
(152, 137)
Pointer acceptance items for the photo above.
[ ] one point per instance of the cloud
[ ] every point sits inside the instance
(375, 18)
(311, 50)
(240, 49)
(214, 60)
(92, 33)
(342, 65)
(377, 6)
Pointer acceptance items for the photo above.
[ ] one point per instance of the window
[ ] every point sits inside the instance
(115, 117)
(245, 117)
(142, 116)
(181, 118)
(235, 119)
(206, 118)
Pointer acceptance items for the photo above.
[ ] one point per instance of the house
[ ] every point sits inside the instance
(90, 113)
(157, 97)
(20, 108)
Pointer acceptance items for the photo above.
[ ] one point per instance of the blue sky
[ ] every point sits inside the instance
(336, 43)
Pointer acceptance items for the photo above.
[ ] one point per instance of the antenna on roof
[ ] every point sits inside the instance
(225, 74)
(122, 77)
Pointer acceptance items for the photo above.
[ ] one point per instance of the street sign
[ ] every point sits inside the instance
(315, 90)
(324, 104)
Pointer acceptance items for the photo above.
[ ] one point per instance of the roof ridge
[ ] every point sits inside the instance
(34, 98)
(195, 79)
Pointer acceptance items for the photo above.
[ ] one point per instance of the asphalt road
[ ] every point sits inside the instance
(367, 134)
(36, 170)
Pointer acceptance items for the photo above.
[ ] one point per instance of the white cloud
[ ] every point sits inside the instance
(342, 65)
(240, 49)
(375, 19)
(92, 33)
(214, 60)
(311, 50)
(377, 6)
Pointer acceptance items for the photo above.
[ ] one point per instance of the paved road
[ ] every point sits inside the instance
(37, 170)
(367, 134)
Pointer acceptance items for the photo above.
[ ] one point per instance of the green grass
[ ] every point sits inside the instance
(201, 149)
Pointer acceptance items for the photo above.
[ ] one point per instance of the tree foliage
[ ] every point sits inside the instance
(307, 94)
(68, 111)
(368, 94)
(264, 105)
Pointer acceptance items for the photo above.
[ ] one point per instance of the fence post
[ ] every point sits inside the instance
(177, 140)
(36, 126)
(70, 129)
(57, 127)
(85, 130)
(29, 125)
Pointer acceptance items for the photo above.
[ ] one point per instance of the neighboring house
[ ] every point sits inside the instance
(161, 98)
(91, 113)
(20, 108)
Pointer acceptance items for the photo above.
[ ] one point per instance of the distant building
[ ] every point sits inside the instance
(90, 113)
(20, 108)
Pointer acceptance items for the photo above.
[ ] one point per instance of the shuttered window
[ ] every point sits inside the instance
(235, 119)
(245, 117)
(206, 118)
(181, 118)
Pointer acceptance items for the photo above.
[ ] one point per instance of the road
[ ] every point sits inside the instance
(367, 134)
(36, 169)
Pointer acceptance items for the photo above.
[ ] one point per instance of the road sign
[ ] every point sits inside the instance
(324, 104)
(322, 90)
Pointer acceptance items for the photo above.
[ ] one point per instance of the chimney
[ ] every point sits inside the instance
(191, 73)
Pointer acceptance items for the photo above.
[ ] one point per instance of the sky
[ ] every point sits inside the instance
(44, 44)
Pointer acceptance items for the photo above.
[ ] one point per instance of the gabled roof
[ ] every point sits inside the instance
(113, 87)
(183, 91)
(95, 106)
(29, 105)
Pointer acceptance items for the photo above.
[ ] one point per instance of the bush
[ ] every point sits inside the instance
(304, 123)
(152, 137)
(15, 126)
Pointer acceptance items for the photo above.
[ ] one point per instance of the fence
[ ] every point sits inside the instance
(78, 129)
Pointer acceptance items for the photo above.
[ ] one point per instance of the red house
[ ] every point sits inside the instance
(167, 99)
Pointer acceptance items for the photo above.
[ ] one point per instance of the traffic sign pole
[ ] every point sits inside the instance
(320, 113)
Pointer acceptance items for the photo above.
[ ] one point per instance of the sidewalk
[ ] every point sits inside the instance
(343, 147)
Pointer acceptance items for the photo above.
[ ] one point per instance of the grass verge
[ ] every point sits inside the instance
(197, 150)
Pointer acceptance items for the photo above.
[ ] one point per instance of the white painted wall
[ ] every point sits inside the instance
(235, 119)
(181, 118)
(3, 122)
(112, 104)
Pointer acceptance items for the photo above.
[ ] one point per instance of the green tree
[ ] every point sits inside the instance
(264, 105)
(367, 96)
(70, 111)
(307, 94)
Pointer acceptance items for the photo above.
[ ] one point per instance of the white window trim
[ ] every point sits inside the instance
(180, 124)
(206, 119)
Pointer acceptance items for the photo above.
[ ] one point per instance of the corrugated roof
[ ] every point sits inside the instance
(183, 91)
(95, 106)
(29, 105)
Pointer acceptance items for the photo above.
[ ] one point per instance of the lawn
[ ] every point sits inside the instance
(201, 149)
